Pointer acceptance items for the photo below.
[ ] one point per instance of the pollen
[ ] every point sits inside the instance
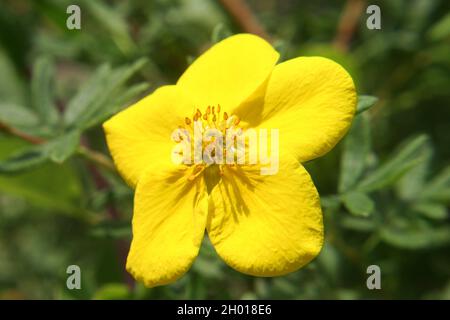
(213, 118)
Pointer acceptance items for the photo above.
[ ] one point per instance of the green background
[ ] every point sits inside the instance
(385, 189)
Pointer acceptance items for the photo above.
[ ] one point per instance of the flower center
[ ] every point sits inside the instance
(208, 138)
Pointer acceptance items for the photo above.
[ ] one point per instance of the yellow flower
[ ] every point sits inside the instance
(262, 225)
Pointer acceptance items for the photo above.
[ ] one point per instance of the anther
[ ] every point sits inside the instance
(187, 120)
(196, 172)
(208, 110)
(199, 113)
(205, 116)
(218, 108)
(225, 116)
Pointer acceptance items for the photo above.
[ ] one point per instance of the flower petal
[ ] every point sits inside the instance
(141, 134)
(266, 225)
(312, 101)
(168, 224)
(230, 72)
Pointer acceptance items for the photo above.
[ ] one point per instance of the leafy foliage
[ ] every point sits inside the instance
(385, 189)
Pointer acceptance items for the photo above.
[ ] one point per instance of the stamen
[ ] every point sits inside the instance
(205, 116)
(225, 116)
(208, 110)
(218, 108)
(187, 121)
(196, 172)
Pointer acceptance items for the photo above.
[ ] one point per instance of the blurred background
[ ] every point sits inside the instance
(385, 189)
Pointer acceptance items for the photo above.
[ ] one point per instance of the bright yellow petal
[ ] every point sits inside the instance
(168, 224)
(230, 72)
(266, 225)
(141, 134)
(311, 100)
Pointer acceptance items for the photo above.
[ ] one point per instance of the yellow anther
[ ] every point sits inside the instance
(196, 172)
(187, 120)
(218, 108)
(225, 116)
(205, 116)
(208, 110)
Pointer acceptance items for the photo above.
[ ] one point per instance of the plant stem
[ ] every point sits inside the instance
(91, 155)
(244, 17)
(348, 23)
(96, 157)
(22, 135)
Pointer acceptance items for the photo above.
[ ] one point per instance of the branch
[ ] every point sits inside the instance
(348, 23)
(96, 157)
(244, 17)
(22, 135)
(91, 155)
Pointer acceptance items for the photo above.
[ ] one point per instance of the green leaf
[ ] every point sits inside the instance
(356, 149)
(61, 148)
(220, 32)
(411, 184)
(440, 29)
(403, 160)
(358, 203)
(103, 95)
(112, 291)
(11, 88)
(432, 210)
(208, 268)
(87, 95)
(118, 104)
(439, 188)
(112, 22)
(365, 102)
(416, 237)
(112, 229)
(359, 224)
(41, 91)
(17, 116)
(24, 159)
